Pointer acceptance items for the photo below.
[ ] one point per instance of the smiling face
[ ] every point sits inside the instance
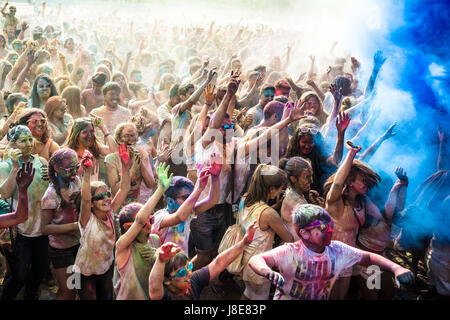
(87, 136)
(25, 143)
(103, 205)
(266, 97)
(306, 144)
(43, 88)
(112, 98)
(37, 124)
(68, 169)
(312, 106)
(129, 136)
(180, 284)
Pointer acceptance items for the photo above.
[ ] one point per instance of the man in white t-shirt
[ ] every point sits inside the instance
(310, 266)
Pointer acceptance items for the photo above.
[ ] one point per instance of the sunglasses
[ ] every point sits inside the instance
(71, 169)
(101, 196)
(321, 225)
(34, 121)
(228, 126)
(182, 272)
(149, 222)
(312, 131)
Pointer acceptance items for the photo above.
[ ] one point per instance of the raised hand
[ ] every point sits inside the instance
(378, 59)
(216, 165)
(209, 94)
(296, 111)
(211, 74)
(167, 251)
(124, 154)
(25, 175)
(203, 177)
(162, 172)
(441, 134)
(310, 82)
(337, 94)
(342, 122)
(97, 121)
(136, 166)
(389, 132)
(31, 57)
(233, 83)
(250, 233)
(401, 175)
(86, 160)
(351, 147)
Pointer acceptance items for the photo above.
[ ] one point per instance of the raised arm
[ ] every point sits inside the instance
(374, 146)
(214, 189)
(196, 95)
(223, 260)
(442, 162)
(21, 78)
(378, 61)
(313, 85)
(188, 206)
(24, 178)
(397, 196)
(342, 123)
(146, 211)
(86, 197)
(342, 173)
(337, 95)
(111, 143)
(156, 278)
(249, 96)
(125, 180)
(9, 184)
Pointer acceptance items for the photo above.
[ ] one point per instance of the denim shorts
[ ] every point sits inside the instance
(62, 258)
(208, 228)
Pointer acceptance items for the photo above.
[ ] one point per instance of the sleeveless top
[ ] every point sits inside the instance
(290, 203)
(95, 254)
(262, 241)
(131, 281)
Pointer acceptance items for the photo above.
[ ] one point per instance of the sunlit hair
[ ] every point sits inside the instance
(358, 167)
(321, 114)
(294, 167)
(264, 178)
(120, 128)
(143, 119)
(26, 114)
(72, 94)
(163, 80)
(12, 99)
(6, 67)
(52, 105)
(61, 84)
(74, 134)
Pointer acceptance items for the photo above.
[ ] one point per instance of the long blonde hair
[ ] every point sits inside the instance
(321, 114)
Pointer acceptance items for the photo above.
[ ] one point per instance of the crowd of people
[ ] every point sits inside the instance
(132, 156)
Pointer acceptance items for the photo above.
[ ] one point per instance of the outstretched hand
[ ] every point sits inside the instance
(233, 83)
(342, 122)
(389, 132)
(378, 59)
(25, 175)
(401, 175)
(124, 154)
(337, 94)
(403, 276)
(162, 172)
(167, 251)
(86, 160)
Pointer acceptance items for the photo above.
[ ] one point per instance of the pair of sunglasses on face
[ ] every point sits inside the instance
(101, 196)
(321, 225)
(228, 126)
(149, 222)
(71, 169)
(183, 271)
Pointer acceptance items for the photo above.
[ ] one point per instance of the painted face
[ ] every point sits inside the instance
(43, 88)
(304, 181)
(319, 237)
(129, 136)
(25, 143)
(86, 137)
(266, 97)
(283, 92)
(37, 124)
(70, 45)
(18, 47)
(182, 283)
(61, 110)
(13, 59)
(174, 203)
(104, 204)
(360, 185)
(69, 168)
(312, 106)
(306, 144)
(112, 98)
(25, 88)
(188, 94)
